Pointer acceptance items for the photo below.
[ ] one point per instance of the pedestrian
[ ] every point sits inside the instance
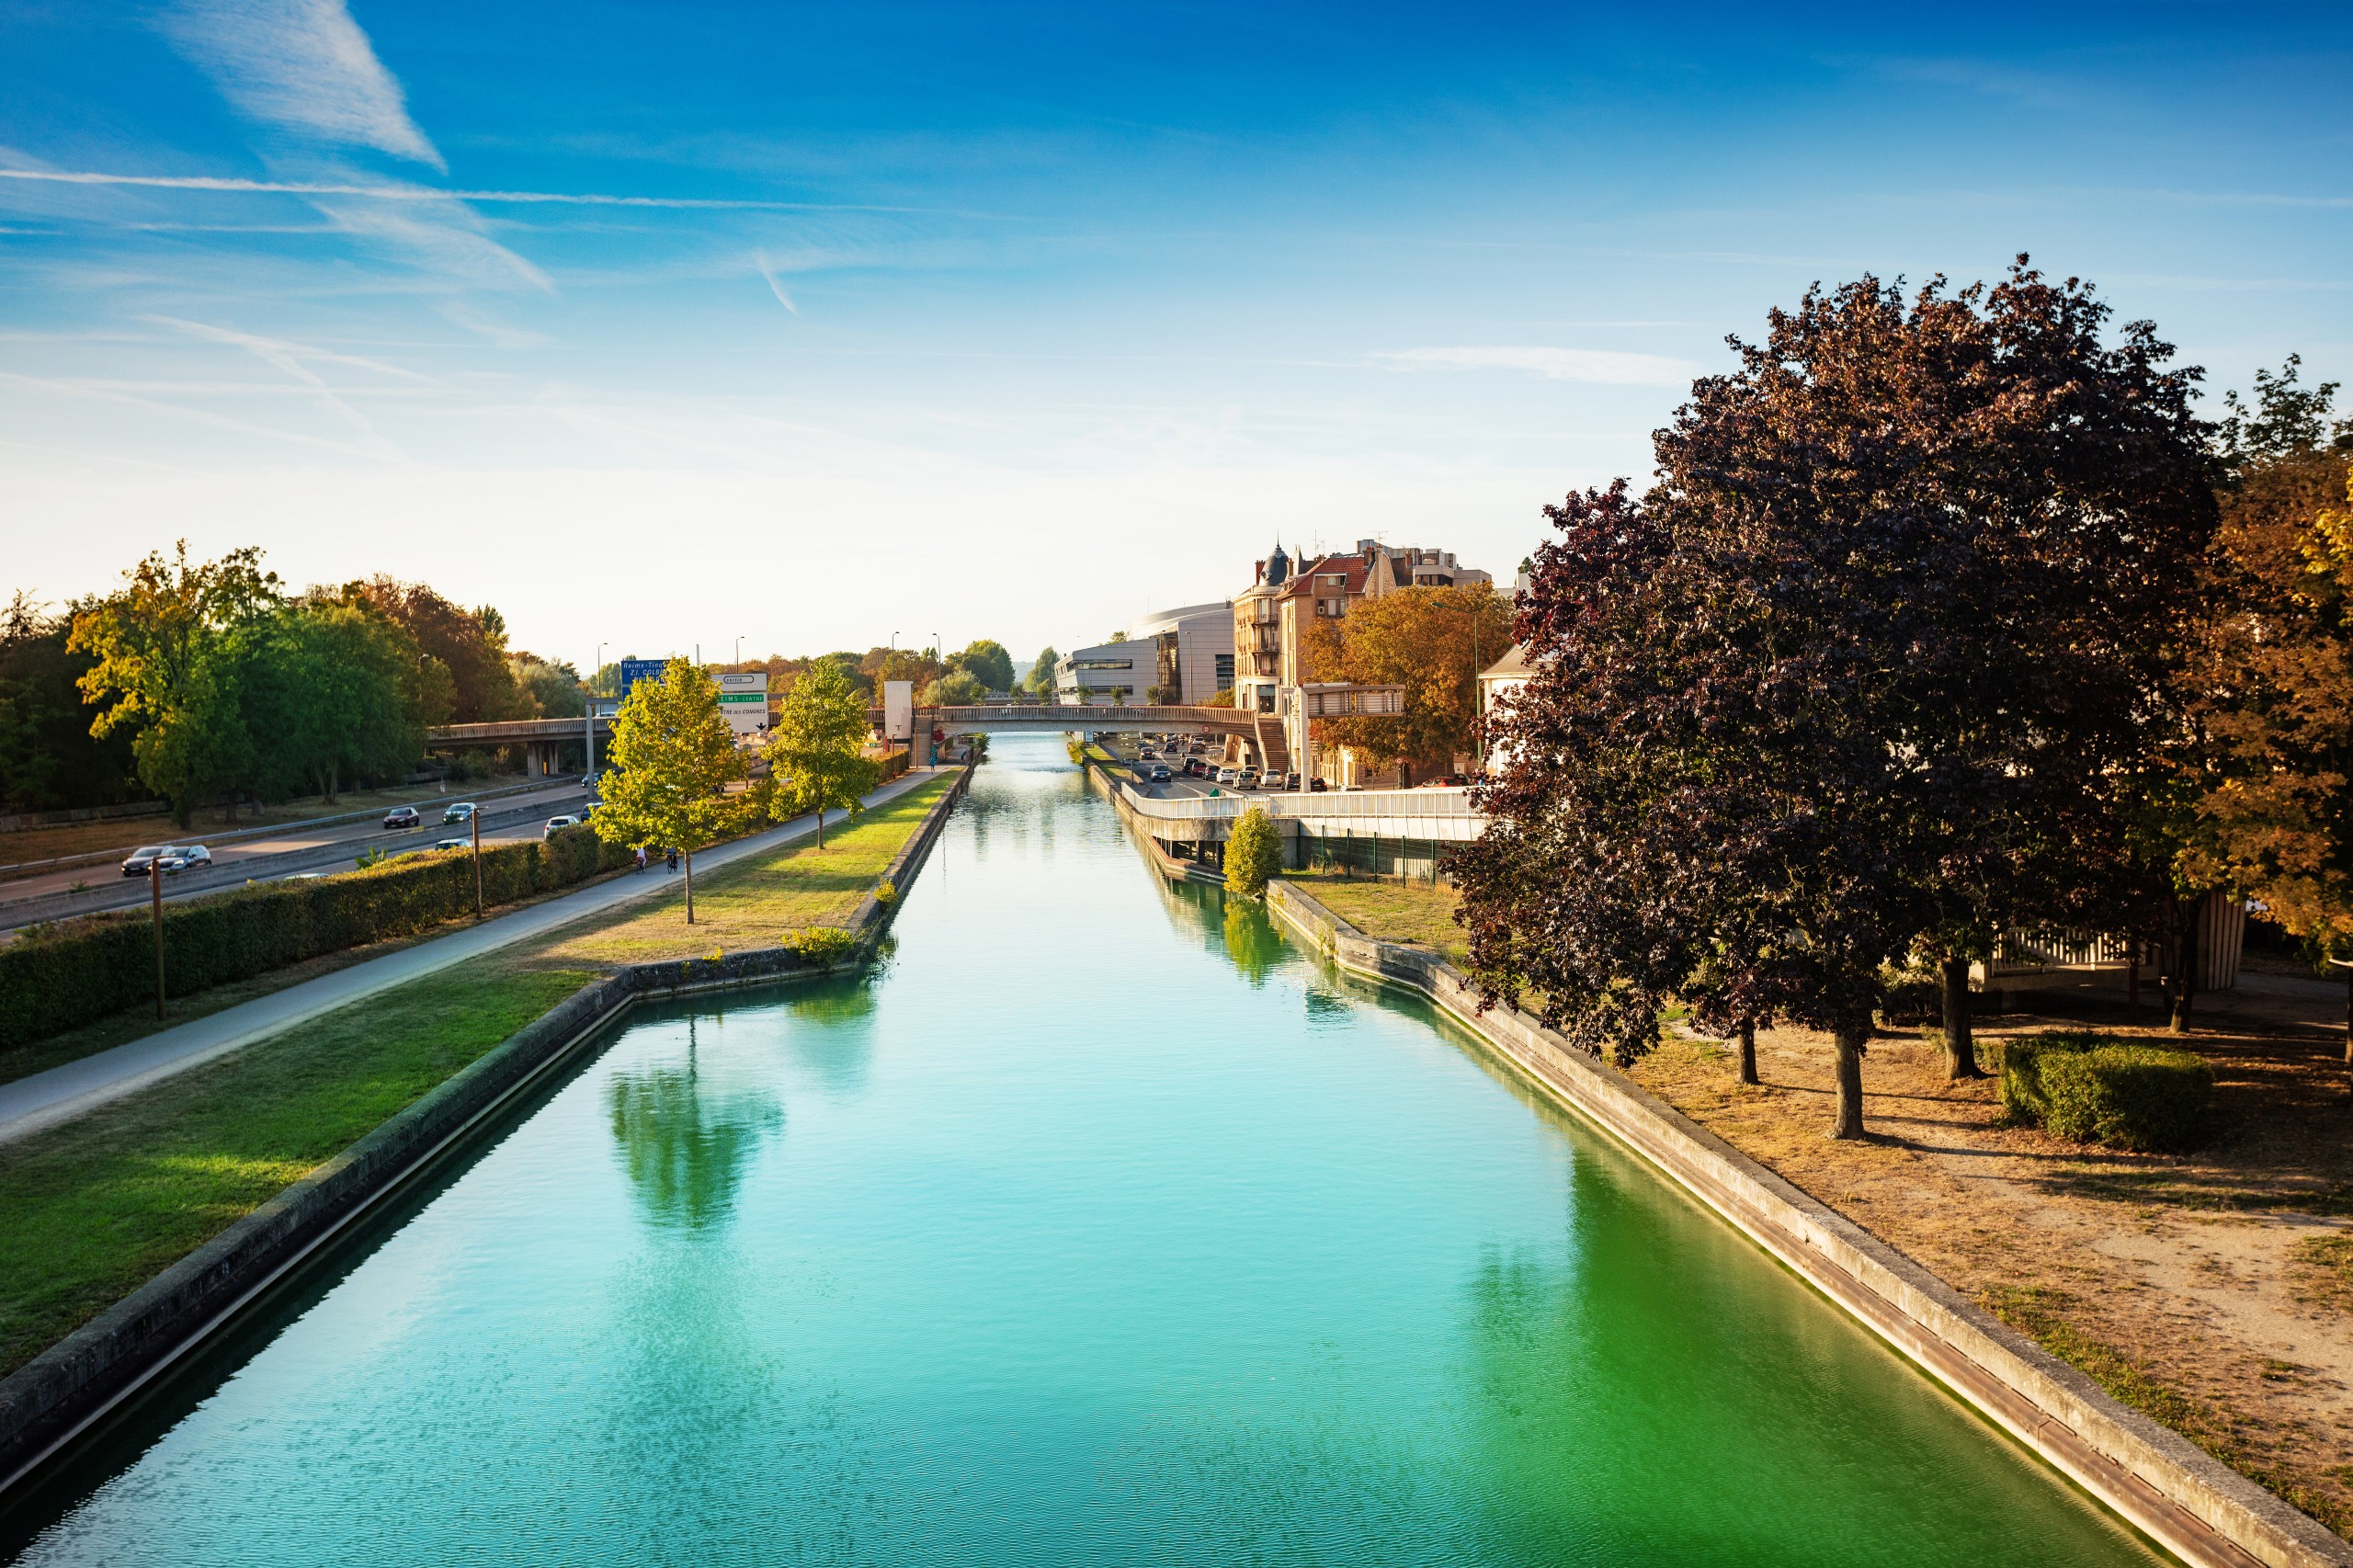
(673, 859)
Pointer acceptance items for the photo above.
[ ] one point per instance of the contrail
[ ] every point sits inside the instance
(427, 193)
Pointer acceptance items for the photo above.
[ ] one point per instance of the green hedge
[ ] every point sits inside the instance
(80, 970)
(2095, 1088)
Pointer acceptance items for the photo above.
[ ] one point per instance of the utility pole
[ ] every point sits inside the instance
(473, 821)
(156, 904)
(588, 725)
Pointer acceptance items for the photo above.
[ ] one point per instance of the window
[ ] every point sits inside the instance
(1101, 664)
(1331, 607)
(1225, 672)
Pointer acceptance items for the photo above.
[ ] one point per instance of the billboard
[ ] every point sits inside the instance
(743, 700)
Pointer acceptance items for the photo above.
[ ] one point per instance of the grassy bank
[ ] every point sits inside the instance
(97, 1206)
(1413, 912)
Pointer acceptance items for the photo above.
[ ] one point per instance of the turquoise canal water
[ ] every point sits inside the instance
(1099, 1226)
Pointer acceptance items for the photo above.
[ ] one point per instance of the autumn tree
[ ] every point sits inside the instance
(1432, 641)
(469, 645)
(677, 766)
(1851, 676)
(816, 750)
(155, 647)
(2270, 685)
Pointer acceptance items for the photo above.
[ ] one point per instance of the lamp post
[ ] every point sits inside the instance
(473, 821)
(589, 723)
(739, 650)
(155, 901)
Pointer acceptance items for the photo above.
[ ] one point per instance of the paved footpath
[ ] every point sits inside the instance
(64, 1092)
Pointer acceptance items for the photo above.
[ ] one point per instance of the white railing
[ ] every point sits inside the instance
(1329, 805)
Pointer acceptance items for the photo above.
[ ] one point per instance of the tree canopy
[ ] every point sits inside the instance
(816, 750)
(673, 758)
(986, 661)
(1852, 673)
(1433, 642)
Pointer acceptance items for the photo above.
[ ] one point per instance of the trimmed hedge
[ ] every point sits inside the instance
(80, 970)
(2095, 1088)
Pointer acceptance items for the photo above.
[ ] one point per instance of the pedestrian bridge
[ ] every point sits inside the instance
(1438, 816)
(1016, 717)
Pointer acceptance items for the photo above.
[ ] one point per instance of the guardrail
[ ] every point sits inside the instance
(1329, 805)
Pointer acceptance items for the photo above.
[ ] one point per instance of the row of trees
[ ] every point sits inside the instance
(197, 679)
(958, 680)
(1944, 618)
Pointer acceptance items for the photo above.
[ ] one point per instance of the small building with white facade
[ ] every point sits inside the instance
(1182, 655)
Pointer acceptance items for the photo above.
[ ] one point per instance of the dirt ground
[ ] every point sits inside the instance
(2212, 1291)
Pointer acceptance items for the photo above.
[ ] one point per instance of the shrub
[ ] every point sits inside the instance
(1913, 995)
(1254, 853)
(2022, 1093)
(2140, 1097)
(884, 892)
(83, 970)
(821, 944)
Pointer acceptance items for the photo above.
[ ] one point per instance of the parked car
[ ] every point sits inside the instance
(144, 858)
(463, 811)
(1247, 780)
(403, 816)
(186, 857)
(1316, 786)
(453, 844)
(557, 824)
(1160, 774)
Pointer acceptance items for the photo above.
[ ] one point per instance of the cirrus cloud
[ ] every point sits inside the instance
(1608, 366)
(303, 66)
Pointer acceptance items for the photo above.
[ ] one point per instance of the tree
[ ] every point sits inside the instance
(957, 688)
(817, 752)
(47, 757)
(1254, 853)
(1041, 673)
(673, 757)
(155, 648)
(1852, 672)
(987, 663)
(2269, 685)
(470, 646)
(549, 688)
(1433, 642)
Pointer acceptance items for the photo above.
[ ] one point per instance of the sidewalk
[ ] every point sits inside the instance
(44, 1100)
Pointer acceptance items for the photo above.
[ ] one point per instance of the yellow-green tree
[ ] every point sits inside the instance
(1254, 853)
(673, 758)
(816, 752)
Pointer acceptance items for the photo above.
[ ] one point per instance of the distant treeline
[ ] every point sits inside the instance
(200, 680)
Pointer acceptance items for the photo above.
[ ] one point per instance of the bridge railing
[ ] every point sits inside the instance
(1367, 806)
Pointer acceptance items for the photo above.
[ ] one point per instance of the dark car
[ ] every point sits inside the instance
(403, 816)
(1316, 785)
(1160, 774)
(186, 858)
(144, 858)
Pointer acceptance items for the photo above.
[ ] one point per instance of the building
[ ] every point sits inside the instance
(1497, 682)
(1182, 655)
(1275, 618)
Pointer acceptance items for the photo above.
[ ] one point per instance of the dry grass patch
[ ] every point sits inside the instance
(1412, 913)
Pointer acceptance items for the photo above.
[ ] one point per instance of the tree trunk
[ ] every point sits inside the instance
(1961, 1046)
(821, 819)
(1748, 1051)
(2348, 1023)
(2132, 989)
(690, 855)
(1849, 1043)
(2184, 985)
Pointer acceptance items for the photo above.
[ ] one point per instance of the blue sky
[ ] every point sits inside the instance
(667, 324)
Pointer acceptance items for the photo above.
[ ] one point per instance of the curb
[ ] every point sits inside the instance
(93, 1371)
(2170, 1490)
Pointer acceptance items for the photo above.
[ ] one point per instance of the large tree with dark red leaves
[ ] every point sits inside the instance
(1856, 677)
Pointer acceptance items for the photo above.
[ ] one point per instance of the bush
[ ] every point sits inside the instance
(83, 970)
(2097, 1089)
(884, 892)
(2140, 1097)
(1254, 853)
(1912, 996)
(821, 944)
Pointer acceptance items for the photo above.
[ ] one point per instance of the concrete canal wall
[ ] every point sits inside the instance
(2191, 1503)
(59, 1393)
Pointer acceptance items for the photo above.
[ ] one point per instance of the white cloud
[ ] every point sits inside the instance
(774, 287)
(304, 67)
(1606, 365)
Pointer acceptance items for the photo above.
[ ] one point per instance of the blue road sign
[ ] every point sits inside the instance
(635, 670)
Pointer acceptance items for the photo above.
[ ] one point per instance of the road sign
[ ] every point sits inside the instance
(635, 670)
(743, 698)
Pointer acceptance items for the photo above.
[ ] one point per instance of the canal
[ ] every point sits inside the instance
(1099, 1225)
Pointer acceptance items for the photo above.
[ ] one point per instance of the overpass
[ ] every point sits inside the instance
(542, 740)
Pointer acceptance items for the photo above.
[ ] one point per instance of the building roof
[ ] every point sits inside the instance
(1303, 581)
(1513, 666)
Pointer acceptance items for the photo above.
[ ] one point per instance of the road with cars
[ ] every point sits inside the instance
(300, 847)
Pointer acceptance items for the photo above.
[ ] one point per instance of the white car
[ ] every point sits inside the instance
(557, 824)
(1225, 776)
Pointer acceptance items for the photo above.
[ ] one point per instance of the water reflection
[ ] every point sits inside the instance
(1251, 939)
(836, 1043)
(686, 1143)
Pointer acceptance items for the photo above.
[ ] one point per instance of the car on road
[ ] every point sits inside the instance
(557, 824)
(461, 812)
(186, 857)
(1317, 786)
(1160, 774)
(403, 816)
(453, 844)
(1247, 780)
(1223, 775)
(142, 859)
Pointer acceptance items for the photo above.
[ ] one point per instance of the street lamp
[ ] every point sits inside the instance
(739, 650)
(589, 723)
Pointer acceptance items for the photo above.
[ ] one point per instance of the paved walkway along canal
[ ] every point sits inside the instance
(1099, 1226)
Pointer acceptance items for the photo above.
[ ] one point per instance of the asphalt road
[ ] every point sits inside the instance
(48, 895)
